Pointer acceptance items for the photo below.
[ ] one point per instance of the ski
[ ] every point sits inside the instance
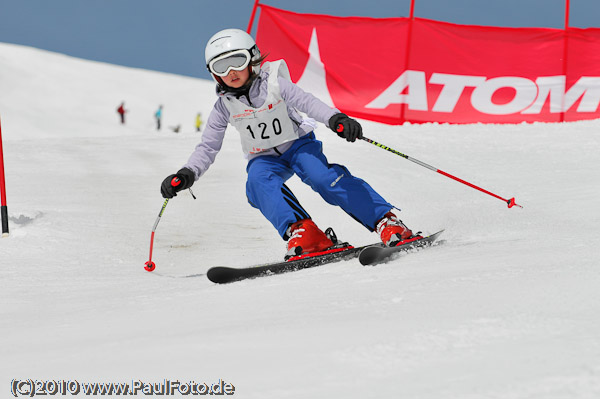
(222, 274)
(377, 253)
(367, 254)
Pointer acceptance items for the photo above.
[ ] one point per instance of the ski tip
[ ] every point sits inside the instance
(376, 254)
(219, 275)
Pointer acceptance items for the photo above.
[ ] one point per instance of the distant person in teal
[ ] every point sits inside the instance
(158, 116)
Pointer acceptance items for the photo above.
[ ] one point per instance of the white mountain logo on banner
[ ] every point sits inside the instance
(314, 77)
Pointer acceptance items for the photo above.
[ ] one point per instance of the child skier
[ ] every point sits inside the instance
(262, 103)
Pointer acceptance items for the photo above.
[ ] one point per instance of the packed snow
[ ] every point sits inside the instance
(507, 306)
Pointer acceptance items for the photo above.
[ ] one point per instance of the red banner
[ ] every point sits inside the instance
(393, 70)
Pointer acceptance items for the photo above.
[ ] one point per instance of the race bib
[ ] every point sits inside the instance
(267, 126)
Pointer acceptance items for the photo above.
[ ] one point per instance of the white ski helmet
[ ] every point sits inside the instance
(229, 40)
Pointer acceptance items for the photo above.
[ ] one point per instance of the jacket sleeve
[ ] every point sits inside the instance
(305, 102)
(212, 139)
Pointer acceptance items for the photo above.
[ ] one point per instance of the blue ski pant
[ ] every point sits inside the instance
(266, 189)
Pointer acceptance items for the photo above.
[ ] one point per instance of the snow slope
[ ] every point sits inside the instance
(507, 307)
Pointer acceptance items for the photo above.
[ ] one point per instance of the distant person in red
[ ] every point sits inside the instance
(121, 111)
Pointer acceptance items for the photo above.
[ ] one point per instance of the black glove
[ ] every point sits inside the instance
(345, 127)
(181, 180)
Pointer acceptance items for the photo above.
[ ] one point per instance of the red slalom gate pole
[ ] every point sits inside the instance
(511, 202)
(249, 29)
(565, 53)
(3, 207)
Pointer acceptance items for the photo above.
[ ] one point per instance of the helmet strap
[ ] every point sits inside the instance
(219, 80)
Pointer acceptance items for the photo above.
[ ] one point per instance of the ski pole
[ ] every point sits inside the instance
(511, 202)
(150, 266)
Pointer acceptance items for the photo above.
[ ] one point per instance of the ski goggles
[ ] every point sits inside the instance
(236, 60)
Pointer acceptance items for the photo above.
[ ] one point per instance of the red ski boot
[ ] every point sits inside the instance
(392, 230)
(306, 237)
